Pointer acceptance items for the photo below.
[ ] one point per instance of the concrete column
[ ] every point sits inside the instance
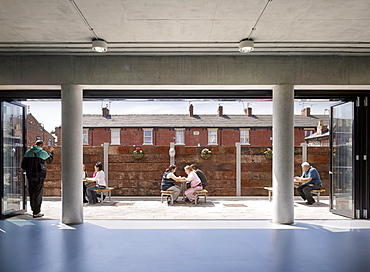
(72, 154)
(283, 158)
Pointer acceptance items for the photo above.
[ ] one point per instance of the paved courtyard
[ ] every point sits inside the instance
(215, 208)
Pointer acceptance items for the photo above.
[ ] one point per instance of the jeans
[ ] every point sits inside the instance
(305, 191)
(91, 195)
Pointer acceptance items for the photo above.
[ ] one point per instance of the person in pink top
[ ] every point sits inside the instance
(195, 183)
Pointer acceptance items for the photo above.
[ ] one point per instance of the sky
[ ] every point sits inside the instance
(49, 112)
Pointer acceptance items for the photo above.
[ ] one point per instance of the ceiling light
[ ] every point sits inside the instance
(246, 46)
(99, 46)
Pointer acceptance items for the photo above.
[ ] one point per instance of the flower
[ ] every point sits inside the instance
(138, 150)
(206, 151)
(268, 151)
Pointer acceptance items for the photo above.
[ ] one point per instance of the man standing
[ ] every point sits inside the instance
(201, 175)
(313, 182)
(34, 164)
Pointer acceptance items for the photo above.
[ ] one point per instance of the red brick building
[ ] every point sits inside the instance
(36, 131)
(189, 130)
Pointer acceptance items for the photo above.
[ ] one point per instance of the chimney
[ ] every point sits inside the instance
(248, 111)
(306, 112)
(105, 113)
(321, 129)
(191, 110)
(220, 111)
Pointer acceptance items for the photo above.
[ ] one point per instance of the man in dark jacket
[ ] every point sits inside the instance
(201, 175)
(34, 164)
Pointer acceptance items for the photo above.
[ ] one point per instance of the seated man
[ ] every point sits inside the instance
(313, 182)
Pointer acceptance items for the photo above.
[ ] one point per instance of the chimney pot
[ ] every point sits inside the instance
(105, 113)
(248, 111)
(220, 111)
(191, 110)
(306, 112)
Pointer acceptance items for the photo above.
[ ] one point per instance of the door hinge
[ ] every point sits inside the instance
(357, 157)
(365, 157)
(358, 101)
(365, 101)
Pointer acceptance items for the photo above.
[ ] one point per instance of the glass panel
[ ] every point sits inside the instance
(244, 136)
(12, 157)
(212, 136)
(85, 137)
(115, 136)
(147, 136)
(180, 136)
(342, 158)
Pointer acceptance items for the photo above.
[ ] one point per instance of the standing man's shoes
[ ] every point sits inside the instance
(37, 215)
(310, 203)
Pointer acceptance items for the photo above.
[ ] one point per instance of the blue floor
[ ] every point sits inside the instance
(184, 245)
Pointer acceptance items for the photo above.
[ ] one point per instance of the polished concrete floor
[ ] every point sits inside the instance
(183, 244)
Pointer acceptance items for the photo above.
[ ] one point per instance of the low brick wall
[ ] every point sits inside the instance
(132, 177)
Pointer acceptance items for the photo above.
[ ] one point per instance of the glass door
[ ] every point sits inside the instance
(342, 158)
(13, 197)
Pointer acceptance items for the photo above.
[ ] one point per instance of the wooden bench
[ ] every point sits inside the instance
(318, 192)
(269, 189)
(167, 193)
(314, 192)
(200, 193)
(102, 193)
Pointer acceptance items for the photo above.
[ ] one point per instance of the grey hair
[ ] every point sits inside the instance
(305, 164)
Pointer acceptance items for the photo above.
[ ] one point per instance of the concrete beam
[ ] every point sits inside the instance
(184, 70)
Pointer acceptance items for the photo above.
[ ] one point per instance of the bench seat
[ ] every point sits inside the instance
(102, 192)
(167, 193)
(314, 192)
(199, 193)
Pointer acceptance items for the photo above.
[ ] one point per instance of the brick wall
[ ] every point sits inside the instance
(132, 177)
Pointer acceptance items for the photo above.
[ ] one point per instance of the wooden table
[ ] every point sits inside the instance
(183, 188)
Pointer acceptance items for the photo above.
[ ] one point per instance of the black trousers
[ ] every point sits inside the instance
(35, 191)
(305, 191)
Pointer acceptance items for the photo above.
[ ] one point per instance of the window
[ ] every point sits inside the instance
(308, 132)
(148, 136)
(212, 136)
(244, 136)
(115, 136)
(85, 137)
(180, 138)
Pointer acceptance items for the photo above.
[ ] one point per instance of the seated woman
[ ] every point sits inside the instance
(195, 183)
(99, 178)
(168, 182)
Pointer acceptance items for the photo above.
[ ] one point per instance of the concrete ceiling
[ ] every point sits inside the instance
(338, 27)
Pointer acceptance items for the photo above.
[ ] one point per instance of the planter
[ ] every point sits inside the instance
(268, 156)
(206, 156)
(138, 156)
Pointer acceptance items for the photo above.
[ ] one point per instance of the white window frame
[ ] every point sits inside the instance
(180, 136)
(115, 136)
(148, 137)
(312, 130)
(212, 133)
(244, 133)
(85, 136)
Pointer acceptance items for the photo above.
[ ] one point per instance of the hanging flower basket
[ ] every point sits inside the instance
(138, 153)
(206, 153)
(268, 153)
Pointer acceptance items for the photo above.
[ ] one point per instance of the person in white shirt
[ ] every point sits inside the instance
(99, 178)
